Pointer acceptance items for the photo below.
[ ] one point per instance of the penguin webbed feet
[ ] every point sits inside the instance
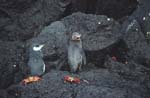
(76, 70)
(80, 68)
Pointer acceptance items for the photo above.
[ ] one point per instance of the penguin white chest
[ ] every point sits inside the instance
(43, 67)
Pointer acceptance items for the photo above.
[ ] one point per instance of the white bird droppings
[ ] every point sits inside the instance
(149, 14)
(14, 65)
(99, 22)
(108, 19)
(136, 29)
(144, 18)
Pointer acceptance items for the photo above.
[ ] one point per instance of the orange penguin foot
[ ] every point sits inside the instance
(31, 79)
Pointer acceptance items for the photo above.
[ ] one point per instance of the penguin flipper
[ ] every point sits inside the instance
(83, 57)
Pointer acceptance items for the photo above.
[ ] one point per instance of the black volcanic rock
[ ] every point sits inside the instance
(142, 10)
(24, 19)
(139, 49)
(131, 71)
(114, 8)
(12, 63)
(142, 15)
(146, 26)
(119, 81)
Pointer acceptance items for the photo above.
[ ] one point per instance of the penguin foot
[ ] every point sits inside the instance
(31, 79)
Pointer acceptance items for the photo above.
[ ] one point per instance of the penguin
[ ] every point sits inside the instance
(76, 54)
(35, 62)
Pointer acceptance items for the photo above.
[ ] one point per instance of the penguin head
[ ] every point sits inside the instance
(37, 47)
(76, 36)
(35, 50)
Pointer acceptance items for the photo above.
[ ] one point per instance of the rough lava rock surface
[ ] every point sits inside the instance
(142, 15)
(120, 81)
(12, 67)
(136, 42)
(103, 7)
(21, 20)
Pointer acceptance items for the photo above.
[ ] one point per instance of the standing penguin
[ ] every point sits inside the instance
(76, 55)
(36, 63)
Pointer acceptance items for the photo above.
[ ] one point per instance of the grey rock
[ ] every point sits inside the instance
(102, 84)
(141, 14)
(12, 63)
(136, 42)
(29, 17)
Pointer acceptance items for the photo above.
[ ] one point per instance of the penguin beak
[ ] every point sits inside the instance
(38, 48)
(41, 46)
(78, 38)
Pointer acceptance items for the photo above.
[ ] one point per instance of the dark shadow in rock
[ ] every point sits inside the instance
(142, 15)
(133, 37)
(119, 51)
(114, 8)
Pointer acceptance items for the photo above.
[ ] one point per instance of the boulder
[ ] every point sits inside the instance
(136, 42)
(142, 15)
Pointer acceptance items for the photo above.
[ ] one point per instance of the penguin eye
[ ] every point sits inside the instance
(37, 46)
